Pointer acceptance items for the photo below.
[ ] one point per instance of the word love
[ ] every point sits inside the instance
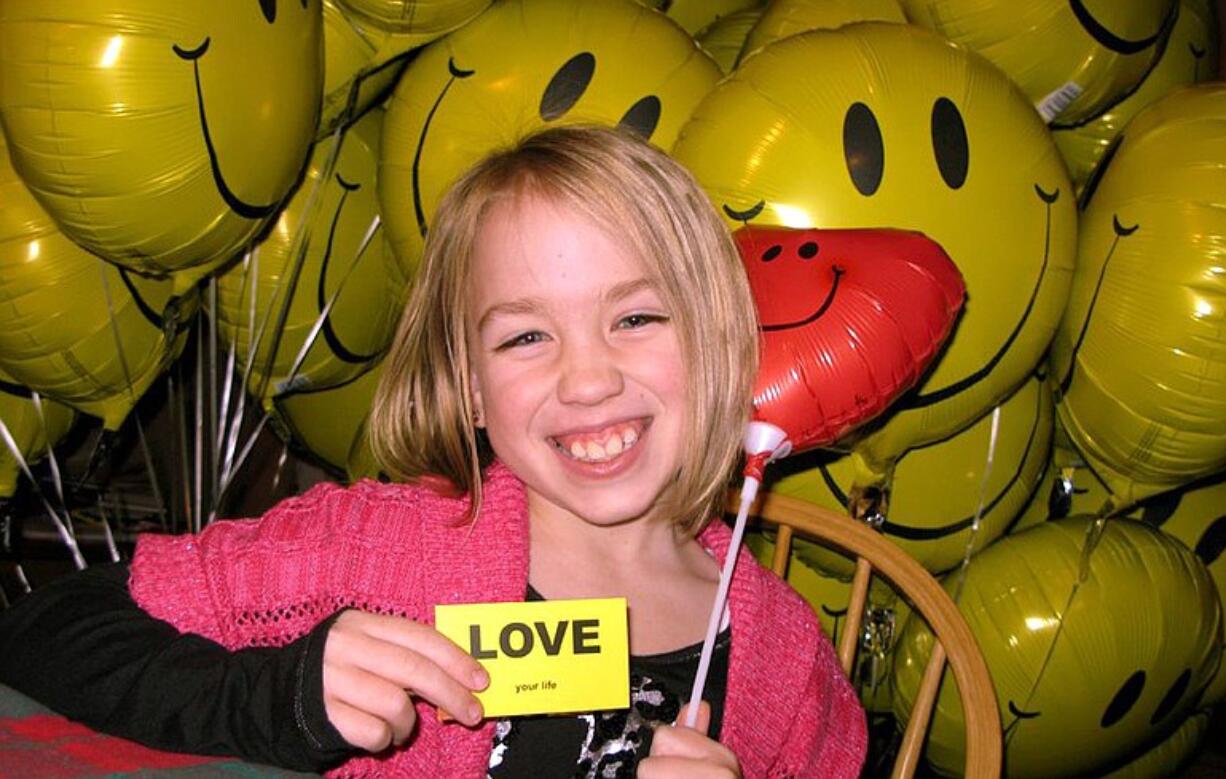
(545, 657)
(518, 640)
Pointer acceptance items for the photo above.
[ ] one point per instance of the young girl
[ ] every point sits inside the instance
(561, 412)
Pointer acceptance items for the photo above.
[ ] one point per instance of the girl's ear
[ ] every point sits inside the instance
(477, 403)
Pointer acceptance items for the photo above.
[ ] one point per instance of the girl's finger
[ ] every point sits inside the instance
(683, 768)
(703, 723)
(427, 641)
(668, 741)
(372, 696)
(359, 728)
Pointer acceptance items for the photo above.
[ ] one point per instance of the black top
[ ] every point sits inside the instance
(84, 648)
(610, 744)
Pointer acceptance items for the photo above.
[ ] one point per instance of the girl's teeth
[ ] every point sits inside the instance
(592, 451)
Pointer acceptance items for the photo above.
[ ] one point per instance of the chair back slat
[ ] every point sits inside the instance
(954, 644)
(921, 713)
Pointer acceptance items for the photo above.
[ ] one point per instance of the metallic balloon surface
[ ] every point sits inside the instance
(789, 17)
(886, 125)
(724, 38)
(330, 424)
(1072, 58)
(1190, 56)
(325, 249)
(33, 432)
(850, 319)
(1085, 676)
(1140, 358)
(521, 66)
(934, 490)
(73, 327)
(161, 136)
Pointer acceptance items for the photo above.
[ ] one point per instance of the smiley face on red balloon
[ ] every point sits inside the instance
(850, 320)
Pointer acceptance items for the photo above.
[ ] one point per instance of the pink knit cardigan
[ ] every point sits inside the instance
(401, 549)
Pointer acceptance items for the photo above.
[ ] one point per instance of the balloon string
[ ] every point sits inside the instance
(62, 524)
(993, 437)
(749, 491)
(1094, 534)
(213, 410)
(198, 442)
(301, 244)
(58, 481)
(127, 374)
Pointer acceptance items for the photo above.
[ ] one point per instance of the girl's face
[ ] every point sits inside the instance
(577, 368)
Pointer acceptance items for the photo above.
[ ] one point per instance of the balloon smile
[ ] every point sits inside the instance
(934, 533)
(329, 333)
(1109, 39)
(236, 204)
(825, 306)
(918, 399)
(418, 210)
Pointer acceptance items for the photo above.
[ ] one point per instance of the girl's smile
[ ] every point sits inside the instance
(578, 374)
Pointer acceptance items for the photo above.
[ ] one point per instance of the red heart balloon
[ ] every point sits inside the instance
(850, 320)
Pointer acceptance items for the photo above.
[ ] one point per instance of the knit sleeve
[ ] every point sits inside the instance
(268, 581)
(830, 737)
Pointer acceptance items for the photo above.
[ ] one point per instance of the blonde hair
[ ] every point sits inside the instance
(421, 423)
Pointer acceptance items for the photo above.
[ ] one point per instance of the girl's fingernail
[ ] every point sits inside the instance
(474, 713)
(481, 679)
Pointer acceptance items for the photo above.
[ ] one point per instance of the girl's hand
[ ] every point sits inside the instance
(374, 665)
(678, 752)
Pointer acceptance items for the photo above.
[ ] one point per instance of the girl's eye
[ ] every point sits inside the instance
(635, 321)
(523, 339)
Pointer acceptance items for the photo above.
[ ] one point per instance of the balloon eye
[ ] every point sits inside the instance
(772, 253)
(642, 117)
(269, 9)
(1124, 700)
(808, 250)
(1211, 545)
(949, 142)
(567, 85)
(1171, 699)
(863, 149)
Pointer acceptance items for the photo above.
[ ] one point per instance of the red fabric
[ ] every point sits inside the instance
(51, 747)
(400, 549)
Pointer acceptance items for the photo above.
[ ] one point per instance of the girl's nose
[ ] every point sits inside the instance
(589, 375)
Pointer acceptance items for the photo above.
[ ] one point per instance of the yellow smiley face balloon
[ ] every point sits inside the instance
(416, 21)
(325, 253)
(73, 327)
(1072, 58)
(934, 490)
(34, 428)
(355, 75)
(886, 125)
(1171, 756)
(1196, 515)
(330, 424)
(1190, 56)
(724, 39)
(521, 66)
(1082, 682)
(789, 17)
(161, 136)
(1140, 358)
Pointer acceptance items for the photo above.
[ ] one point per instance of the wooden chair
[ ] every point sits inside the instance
(954, 643)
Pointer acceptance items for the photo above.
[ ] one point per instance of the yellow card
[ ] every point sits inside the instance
(545, 657)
